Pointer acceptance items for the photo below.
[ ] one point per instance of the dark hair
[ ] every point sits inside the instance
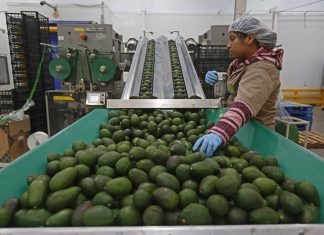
(241, 35)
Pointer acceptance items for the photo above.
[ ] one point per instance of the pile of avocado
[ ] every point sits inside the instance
(146, 90)
(177, 76)
(141, 171)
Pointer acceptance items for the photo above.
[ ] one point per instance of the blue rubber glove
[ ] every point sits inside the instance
(211, 77)
(209, 143)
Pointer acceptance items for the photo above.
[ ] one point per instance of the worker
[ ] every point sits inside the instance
(253, 81)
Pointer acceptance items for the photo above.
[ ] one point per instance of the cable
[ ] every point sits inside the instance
(39, 69)
(307, 4)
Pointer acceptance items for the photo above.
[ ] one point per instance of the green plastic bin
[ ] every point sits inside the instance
(296, 161)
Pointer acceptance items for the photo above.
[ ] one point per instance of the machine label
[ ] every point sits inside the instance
(64, 98)
(78, 30)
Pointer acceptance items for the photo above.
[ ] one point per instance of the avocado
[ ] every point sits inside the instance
(250, 186)
(207, 186)
(53, 157)
(101, 181)
(218, 205)
(76, 218)
(66, 162)
(88, 186)
(127, 201)
(82, 171)
(102, 198)
(31, 218)
(61, 218)
(250, 173)
(62, 199)
(106, 170)
(37, 191)
(291, 202)
(167, 180)
(88, 158)
(271, 161)
(288, 184)
(5, 217)
(138, 176)
(154, 216)
(265, 185)
(285, 217)
(123, 166)
(129, 216)
(156, 170)
(309, 215)
(98, 216)
(201, 169)
(105, 133)
(172, 217)
(187, 196)
(53, 167)
(173, 162)
(63, 179)
(195, 214)
(194, 157)
(148, 187)
(137, 153)
(232, 151)
(145, 165)
(274, 173)
(257, 161)
(237, 215)
(142, 199)
(190, 184)
(109, 159)
(264, 215)
(273, 201)
(248, 199)
(227, 185)
(308, 191)
(119, 186)
(166, 198)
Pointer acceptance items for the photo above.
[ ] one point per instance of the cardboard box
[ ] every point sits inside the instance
(13, 139)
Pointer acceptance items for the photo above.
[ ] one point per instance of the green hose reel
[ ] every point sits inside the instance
(60, 68)
(103, 69)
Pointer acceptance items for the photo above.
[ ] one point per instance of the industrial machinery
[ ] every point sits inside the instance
(87, 61)
(87, 57)
(160, 69)
(216, 35)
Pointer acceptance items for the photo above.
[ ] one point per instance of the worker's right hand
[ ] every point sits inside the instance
(211, 77)
(208, 144)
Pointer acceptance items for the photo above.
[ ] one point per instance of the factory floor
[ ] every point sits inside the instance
(318, 126)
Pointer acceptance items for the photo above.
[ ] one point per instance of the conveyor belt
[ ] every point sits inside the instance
(162, 69)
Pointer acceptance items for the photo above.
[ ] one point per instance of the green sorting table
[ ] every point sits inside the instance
(296, 161)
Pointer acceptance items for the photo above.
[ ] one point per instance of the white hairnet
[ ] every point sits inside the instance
(264, 35)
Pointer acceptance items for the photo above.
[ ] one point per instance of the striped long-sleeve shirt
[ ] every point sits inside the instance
(238, 114)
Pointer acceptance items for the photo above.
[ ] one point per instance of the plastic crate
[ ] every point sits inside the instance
(303, 127)
(13, 19)
(213, 52)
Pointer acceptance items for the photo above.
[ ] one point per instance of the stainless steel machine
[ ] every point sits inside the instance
(216, 35)
(87, 61)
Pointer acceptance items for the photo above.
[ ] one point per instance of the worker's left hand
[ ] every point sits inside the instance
(209, 143)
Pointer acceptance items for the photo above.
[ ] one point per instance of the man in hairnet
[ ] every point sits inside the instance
(253, 81)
